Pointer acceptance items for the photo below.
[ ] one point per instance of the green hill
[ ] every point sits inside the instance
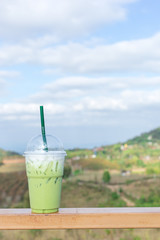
(8, 153)
(142, 151)
(4, 154)
(152, 136)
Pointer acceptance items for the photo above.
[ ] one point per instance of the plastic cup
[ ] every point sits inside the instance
(44, 171)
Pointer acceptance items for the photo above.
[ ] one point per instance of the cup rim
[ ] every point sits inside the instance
(42, 153)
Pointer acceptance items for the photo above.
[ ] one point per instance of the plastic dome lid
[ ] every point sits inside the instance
(36, 145)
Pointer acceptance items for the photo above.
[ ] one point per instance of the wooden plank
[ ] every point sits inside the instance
(81, 218)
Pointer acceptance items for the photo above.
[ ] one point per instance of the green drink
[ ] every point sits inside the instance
(44, 171)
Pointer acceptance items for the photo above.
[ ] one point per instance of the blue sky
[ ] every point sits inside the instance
(94, 65)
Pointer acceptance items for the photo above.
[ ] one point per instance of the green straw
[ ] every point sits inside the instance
(43, 128)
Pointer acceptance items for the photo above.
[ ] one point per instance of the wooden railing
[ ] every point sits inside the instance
(81, 218)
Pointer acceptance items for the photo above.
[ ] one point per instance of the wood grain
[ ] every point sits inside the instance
(81, 218)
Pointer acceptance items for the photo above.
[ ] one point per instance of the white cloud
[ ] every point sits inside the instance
(86, 83)
(14, 54)
(79, 99)
(127, 100)
(6, 74)
(25, 108)
(104, 103)
(138, 55)
(82, 94)
(3, 83)
(41, 41)
(76, 82)
(73, 88)
(75, 58)
(63, 18)
(141, 98)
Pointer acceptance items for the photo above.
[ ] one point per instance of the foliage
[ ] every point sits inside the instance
(97, 164)
(137, 238)
(35, 232)
(113, 200)
(67, 171)
(150, 171)
(153, 168)
(1, 235)
(144, 138)
(108, 231)
(77, 172)
(106, 177)
(152, 200)
(114, 195)
(140, 163)
(78, 152)
(121, 190)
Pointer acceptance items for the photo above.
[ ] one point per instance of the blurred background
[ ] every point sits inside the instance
(95, 67)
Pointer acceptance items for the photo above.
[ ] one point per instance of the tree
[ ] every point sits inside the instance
(67, 171)
(106, 176)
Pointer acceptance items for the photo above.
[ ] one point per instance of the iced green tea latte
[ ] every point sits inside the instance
(44, 167)
(45, 173)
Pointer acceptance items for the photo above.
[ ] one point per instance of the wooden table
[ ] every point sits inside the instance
(81, 218)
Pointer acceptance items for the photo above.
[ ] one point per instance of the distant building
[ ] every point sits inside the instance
(98, 149)
(125, 173)
(149, 137)
(124, 147)
(95, 153)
